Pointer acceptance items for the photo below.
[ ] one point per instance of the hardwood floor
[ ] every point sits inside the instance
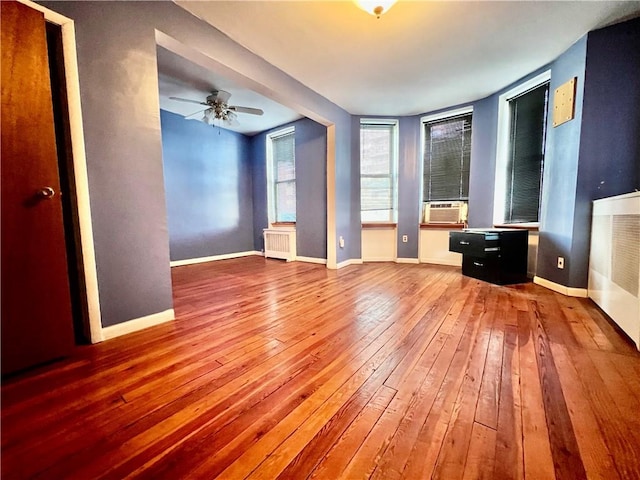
(292, 371)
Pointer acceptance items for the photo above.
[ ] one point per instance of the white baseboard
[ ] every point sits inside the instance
(138, 324)
(322, 261)
(440, 261)
(408, 260)
(564, 290)
(378, 259)
(226, 256)
(351, 261)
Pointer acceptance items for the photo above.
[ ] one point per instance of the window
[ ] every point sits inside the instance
(528, 125)
(281, 159)
(447, 158)
(522, 128)
(378, 159)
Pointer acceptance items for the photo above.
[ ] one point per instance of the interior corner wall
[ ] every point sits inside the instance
(311, 187)
(609, 142)
(409, 186)
(482, 175)
(560, 175)
(258, 157)
(207, 178)
(353, 244)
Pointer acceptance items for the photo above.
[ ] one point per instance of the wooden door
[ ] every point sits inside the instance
(36, 308)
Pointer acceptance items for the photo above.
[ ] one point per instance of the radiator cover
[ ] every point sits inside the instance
(280, 243)
(614, 260)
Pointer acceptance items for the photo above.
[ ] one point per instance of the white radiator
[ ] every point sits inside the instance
(614, 261)
(280, 243)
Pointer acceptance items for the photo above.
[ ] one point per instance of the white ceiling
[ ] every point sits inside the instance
(418, 57)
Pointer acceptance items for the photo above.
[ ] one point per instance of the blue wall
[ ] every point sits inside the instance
(409, 186)
(561, 174)
(208, 187)
(311, 188)
(610, 140)
(482, 176)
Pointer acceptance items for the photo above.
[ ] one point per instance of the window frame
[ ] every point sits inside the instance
(503, 146)
(458, 112)
(272, 184)
(393, 174)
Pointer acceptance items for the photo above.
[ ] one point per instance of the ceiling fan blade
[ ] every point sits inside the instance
(186, 100)
(221, 95)
(194, 113)
(251, 111)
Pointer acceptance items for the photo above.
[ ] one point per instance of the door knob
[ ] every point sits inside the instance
(46, 192)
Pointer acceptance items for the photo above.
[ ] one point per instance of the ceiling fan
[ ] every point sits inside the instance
(219, 109)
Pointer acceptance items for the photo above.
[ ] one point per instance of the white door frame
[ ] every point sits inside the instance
(79, 167)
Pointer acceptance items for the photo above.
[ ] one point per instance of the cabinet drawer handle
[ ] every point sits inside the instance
(478, 264)
(464, 243)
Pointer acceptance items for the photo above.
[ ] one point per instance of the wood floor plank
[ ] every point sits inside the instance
(453, 455)
(620, 427)
(567, 460)
(509, 450)
(432, 434)
(538, 462)
(333, 464)
(481, 458)
(366, 459)
(595, 453)
(382, 370)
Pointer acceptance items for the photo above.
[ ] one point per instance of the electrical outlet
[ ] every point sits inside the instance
(341, 242)
(405, 238)
(561, 262)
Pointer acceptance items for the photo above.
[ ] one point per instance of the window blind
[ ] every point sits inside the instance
(284, 176)
(377, 184)
(447, 159)
(526, 155)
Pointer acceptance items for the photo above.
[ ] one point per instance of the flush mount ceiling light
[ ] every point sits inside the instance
(375, 7)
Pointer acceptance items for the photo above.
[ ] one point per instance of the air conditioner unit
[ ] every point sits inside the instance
(445, 212)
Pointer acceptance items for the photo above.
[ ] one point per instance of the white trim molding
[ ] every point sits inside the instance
(136, 324)
(321, 261)
(351, 261)
(446, 114)
(502, 142)
(408, 260)
(564, 290)
(440, 261)
(226, 256)
(87, 247)
(332, 235)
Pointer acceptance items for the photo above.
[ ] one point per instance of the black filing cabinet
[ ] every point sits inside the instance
(493, 255)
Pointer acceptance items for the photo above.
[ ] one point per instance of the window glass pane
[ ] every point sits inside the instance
(375, 192)
(375, 149)
(447, 159)
(282, 196)
(377, 179)
(286, 202)
(526, 155)
(377, 216)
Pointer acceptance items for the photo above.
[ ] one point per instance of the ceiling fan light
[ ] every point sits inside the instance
(375, 7)
(209, 116)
